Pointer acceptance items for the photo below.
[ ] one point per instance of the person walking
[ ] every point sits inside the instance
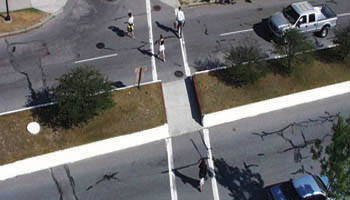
(203, 170)
(130, 27)
(180, 21)
(161, 47)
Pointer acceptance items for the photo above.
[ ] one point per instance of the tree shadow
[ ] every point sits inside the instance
(118, 84)
(328, 55)
(208, 63)
(166, 28)
(261, 29)
(186, 179)
(278, 66)
(118, 31)
(242, 183)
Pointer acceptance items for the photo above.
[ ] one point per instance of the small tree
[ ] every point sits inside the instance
(336, 164)
(292, 43)
(245, 64)
(342, 38)
(81, 94)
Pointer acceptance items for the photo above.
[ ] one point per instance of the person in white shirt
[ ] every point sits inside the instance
(180, 21)
(131, 25)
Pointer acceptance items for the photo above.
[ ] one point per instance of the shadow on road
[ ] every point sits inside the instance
(262, 30)
(186, 179)
(208, 63)
(166, 28)
(118, 31)
(243, 184)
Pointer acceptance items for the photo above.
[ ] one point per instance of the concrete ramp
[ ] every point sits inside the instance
(181, 107)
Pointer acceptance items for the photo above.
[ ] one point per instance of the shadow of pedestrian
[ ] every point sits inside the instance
(166, 28)
(242, 183)
(118, 31)
(185, 179)
(261, 29)
(146, 52)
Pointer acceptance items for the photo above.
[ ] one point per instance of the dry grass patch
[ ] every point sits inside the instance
(215, 95)
(135, 110)
(21, 19)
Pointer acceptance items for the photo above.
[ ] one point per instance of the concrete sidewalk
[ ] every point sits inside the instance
(49, 6)
(181, 107)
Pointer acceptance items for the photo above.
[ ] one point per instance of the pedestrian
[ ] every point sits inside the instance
(180, 21)
(161, 47)
(130, 27)
(203, 169)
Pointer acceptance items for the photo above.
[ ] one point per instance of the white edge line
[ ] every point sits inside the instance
(211, 164)
(96, 58)
(172, 180)
(52, 103)
(184, 56)
(235, 32)
(272, 57)
(343, 14)
(149, 22)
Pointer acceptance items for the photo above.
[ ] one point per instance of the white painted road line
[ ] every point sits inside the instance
(184, 56)
(343, 14)
(150, 31)
(211, 164)
(235, 32)
(97, 58)
(173, 189)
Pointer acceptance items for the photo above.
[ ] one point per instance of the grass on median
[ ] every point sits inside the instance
(214, 95)
(135, 110)
(21, 19)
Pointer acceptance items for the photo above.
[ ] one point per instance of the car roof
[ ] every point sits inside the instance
(306, 186)
(303, 7)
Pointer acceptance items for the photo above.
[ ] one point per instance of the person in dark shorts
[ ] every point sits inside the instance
(203, 170)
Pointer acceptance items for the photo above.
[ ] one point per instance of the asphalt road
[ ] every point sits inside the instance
(249, 155)
(89, 29)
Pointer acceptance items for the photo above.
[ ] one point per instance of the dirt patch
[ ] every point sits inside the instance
(21, 19)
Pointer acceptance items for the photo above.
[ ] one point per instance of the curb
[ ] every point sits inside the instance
(35, 26)
(82, 152)
(254, 109)
(52, 103)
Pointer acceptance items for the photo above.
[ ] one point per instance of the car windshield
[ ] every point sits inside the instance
(320, 184)
(290, 14)
(289, 191)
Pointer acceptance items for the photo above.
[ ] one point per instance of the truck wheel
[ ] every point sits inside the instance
(324, 32)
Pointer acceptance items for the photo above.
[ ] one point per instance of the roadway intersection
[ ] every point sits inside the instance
(92, 33)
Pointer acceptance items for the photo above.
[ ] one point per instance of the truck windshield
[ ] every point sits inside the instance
(290, 14)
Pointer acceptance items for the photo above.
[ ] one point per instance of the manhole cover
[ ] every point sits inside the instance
(100, 45)
(179, 74)
(33, 128)
(157, 8)
(260, 9)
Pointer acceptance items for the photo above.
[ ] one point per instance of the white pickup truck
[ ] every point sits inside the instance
(304, 17)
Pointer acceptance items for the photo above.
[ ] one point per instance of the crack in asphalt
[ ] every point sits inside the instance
(71, 181)
(321, 120)
(58, 186)
(106, 177)
(298, 157)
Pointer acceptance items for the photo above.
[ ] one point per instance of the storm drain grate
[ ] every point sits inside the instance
(100, 45)
(179, 74)
(157, 8)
